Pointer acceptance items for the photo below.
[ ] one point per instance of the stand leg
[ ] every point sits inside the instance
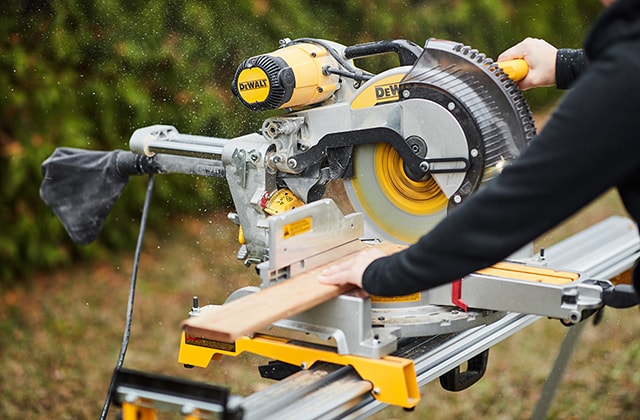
(557, 372)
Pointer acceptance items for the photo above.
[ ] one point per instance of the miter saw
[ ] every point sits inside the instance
(402, 147)
(354, 159)
(394, 152)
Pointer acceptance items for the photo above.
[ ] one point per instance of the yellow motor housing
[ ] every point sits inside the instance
(290, 77)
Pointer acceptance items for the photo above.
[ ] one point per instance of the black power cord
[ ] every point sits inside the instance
(132, 290)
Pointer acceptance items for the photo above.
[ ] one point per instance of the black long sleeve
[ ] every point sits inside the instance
(570, 64)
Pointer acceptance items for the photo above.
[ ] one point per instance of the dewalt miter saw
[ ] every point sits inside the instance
(354, 159)
(406, 145)
(402, 147)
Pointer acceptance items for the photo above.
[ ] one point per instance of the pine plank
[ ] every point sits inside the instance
(258, 310)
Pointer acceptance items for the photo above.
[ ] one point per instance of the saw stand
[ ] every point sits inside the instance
(602, 251)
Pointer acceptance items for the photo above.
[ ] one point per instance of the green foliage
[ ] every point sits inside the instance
(87, 74)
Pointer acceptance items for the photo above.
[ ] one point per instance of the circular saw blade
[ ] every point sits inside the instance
(473, 106)
(388, 213)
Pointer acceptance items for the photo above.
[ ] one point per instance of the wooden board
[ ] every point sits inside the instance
(258, 310)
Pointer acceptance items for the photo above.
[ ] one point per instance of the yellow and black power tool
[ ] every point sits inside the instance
(382, 178)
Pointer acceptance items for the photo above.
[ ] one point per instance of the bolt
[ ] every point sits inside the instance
(451, 106)
(424, 166)
(474, 152)
(292, 163)
(196, 304)
(542, 257)
(457, 199)
(376, 391)
(303, 365)
(406, 93)
(320, 89)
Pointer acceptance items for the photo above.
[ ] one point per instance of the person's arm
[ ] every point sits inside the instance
(589, 145)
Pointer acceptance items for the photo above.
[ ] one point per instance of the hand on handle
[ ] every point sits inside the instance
(540, 57)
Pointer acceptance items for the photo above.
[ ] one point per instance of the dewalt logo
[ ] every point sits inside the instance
(387, 92)
(384, 90)
(253, 85)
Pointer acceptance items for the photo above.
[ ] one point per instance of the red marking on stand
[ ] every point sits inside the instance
(456, 295)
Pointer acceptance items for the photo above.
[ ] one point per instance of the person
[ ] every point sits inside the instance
(589, 145)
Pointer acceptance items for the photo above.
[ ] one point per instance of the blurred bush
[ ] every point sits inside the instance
(87, 74)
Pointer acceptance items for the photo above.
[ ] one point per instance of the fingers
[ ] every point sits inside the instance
(541, 58)
(335, 274)
(350, 271)
(517, 51)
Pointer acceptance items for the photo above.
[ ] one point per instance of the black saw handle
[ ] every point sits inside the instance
(407, 51)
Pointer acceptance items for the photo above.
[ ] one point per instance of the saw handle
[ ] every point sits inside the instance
(407, 51)
(516, 69)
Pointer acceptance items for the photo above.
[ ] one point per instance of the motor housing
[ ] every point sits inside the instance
(290, 77)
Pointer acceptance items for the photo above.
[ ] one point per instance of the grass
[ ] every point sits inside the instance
(60, 334)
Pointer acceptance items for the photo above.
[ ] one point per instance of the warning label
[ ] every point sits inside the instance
(296, 228)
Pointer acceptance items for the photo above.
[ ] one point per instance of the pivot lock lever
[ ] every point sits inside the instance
(620, 296)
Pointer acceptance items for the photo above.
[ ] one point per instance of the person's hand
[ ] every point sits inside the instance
(350, 271)
(541, 58)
